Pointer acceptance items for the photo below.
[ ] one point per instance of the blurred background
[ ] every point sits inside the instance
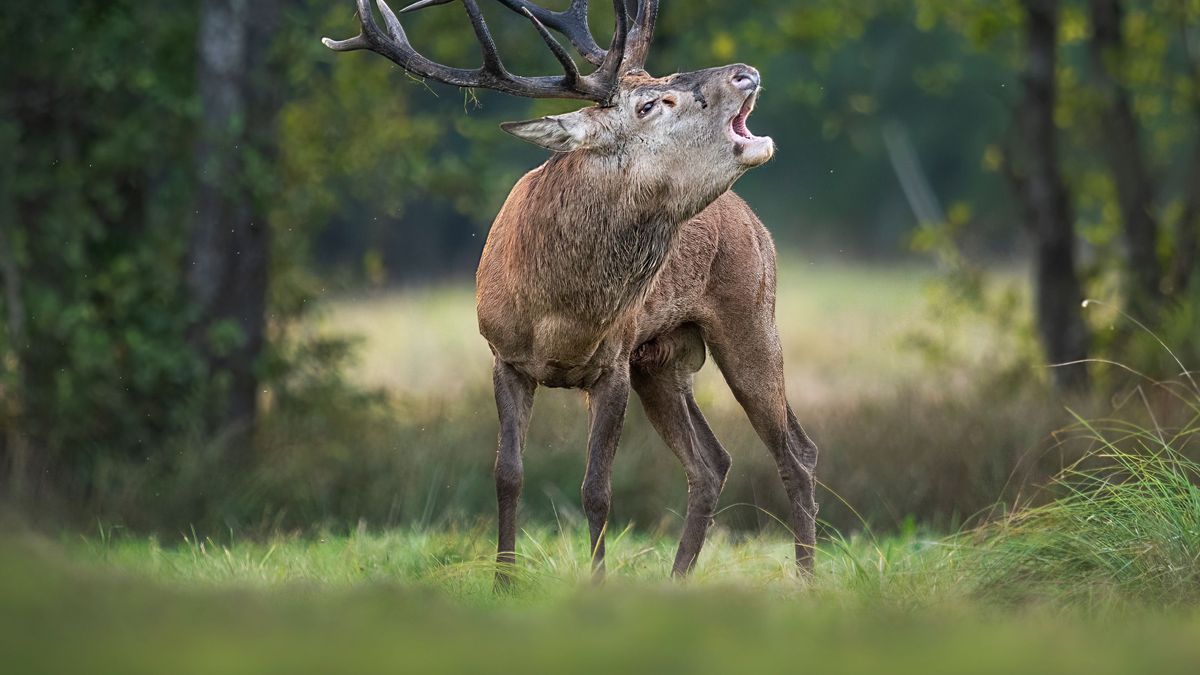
(236, 268)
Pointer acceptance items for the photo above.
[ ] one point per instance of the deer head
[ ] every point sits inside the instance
(690, 126)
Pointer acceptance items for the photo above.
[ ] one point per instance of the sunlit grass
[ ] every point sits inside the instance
(1101, 578)
(1127, 526)
(1123, 529)
(842, 328)
(900, 436)
(458, 561)
(342, 605)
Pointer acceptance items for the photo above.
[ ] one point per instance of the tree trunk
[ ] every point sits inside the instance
(1037, 183)
(1187, 236)
(14, 449)
(1123, 150)
(227, 275)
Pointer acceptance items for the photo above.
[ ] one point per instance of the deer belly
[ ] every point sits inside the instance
(561, 352)
(562, 375)
(567, 353)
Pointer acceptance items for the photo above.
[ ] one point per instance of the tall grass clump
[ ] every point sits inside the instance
(1122, 528)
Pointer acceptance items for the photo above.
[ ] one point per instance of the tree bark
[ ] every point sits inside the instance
(1123, 151)
(1187, 236)
(228, 264)
(14, 449)
(1036, 179)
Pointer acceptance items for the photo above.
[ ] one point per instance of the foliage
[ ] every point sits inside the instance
(1159, 67)
(93, 205)
(383, 179)
(98, 139)
(967, 296)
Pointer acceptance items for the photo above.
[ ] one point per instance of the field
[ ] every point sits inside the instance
(369, 542)
(905, 434)
(422, 602)
(247, 421)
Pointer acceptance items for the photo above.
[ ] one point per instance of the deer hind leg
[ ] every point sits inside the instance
(662, 377)
(749, 355)
(514, 402)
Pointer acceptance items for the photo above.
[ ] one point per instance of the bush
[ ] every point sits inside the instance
(1125, 526)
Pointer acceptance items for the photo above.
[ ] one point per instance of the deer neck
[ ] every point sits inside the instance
(597, 229)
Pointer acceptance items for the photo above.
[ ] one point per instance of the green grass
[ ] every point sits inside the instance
(403, 602)
(1123, 530)
(68, 622)
(1096, 573)
(1101, 579)
(1127, 528)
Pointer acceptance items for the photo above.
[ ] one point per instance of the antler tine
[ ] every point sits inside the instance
(491, 56)
(572, 23)
(397, 48)
(610, 69)
(492, 75)
(568, 64)
(640, 36)
(389, 17)
(422, 4)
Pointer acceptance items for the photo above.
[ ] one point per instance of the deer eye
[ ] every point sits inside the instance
(646, 107)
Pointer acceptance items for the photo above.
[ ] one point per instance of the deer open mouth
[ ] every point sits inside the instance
(750, 150)
(738, 129)
(737, 124)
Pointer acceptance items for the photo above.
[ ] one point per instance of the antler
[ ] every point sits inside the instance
(598, 86)
(572, 23)
(640, 36)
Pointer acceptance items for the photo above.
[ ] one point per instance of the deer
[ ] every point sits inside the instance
(622, 260)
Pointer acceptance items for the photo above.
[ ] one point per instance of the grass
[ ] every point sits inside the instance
(900, 439)
(1100, 579)
(1128, 529)
(59, 619)
(1096, 573)
(1120, 528)
(422, 601)
(841, 324)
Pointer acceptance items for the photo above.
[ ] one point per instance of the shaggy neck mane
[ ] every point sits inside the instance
(590, 223)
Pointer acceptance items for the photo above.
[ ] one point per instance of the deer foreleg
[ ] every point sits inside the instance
(607, 399)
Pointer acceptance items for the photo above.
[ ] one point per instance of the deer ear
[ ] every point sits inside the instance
(560, 133)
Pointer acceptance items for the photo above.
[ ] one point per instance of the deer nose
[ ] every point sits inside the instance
(746, 78)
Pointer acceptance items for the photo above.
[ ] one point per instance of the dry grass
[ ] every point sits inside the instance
(842, 328)
(900, 439)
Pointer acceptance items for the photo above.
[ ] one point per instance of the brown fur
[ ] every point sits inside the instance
(605, 272)
(614, 264)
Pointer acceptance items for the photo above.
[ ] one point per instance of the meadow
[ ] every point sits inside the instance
(247, 422)
(915, 417)
(1101, 580)
(968, 523)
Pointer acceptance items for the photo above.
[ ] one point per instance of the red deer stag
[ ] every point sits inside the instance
(615, 263)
